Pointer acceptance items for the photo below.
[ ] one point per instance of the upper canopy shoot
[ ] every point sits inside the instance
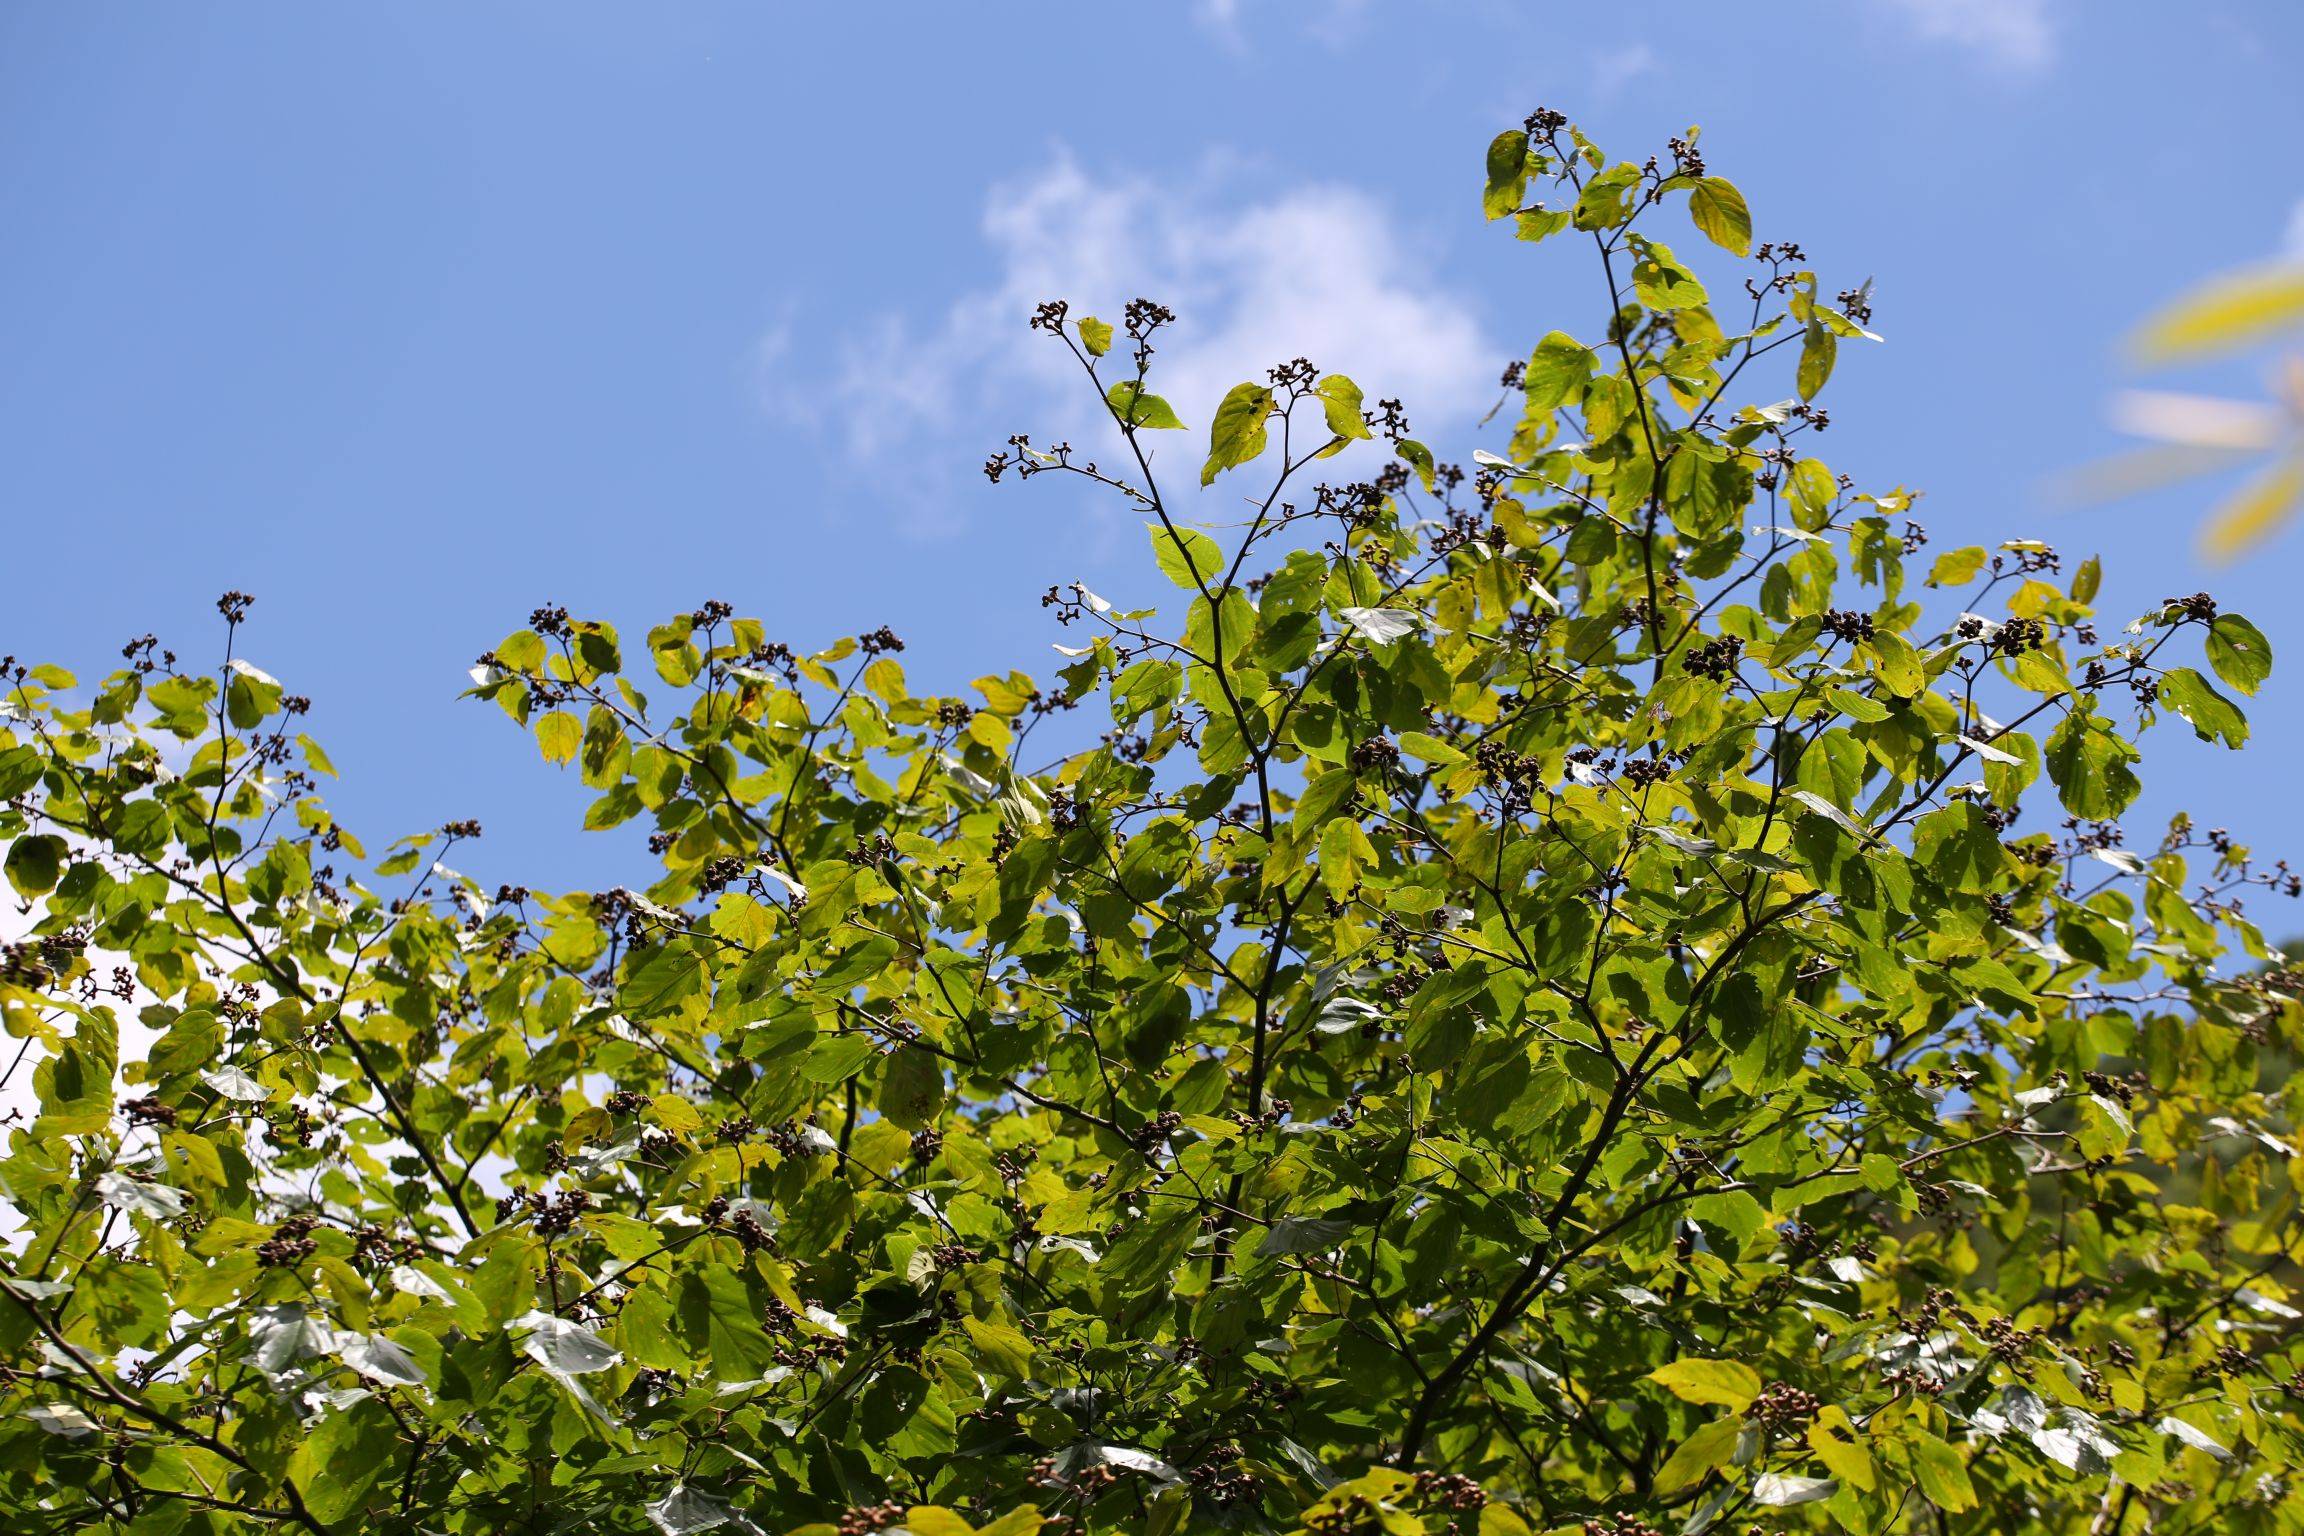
(1599, 992)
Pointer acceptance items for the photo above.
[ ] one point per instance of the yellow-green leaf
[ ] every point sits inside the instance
(1187, 556)
(1237, 435)
(1943, 1476)
(1137, 408)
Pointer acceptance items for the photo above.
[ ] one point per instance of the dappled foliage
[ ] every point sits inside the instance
(1598, 990)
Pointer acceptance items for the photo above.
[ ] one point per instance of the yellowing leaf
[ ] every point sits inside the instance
(930, 1520)
(558, 735)
(1817, 353)
(675, 1113)
(1725, 1382)
(2229, 311)
(1839, 1445)
(2252, 515)
(1719, 210)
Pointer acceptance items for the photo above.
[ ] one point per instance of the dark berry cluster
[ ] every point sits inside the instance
(748, 1232)
(289, 1245)
(1715, 659)
(865, 1519)
(2019, 635)
(1152, 1133)
(559, 1215)
(1450, 1491)
(1142, 317)
(1375, 755)
(149, 1111)
(1221, 1480)
(1782, 1409)
(1644, 771)
(1620, 1525)
(788, 1140)
(1276, 1112)
(947, 1257)
(373, 1248)
(1842, 624)
(296, 1127)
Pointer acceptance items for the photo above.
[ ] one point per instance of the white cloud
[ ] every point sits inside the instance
(2014, 33)
(1319, 272)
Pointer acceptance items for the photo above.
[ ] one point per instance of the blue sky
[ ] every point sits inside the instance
(408, 318)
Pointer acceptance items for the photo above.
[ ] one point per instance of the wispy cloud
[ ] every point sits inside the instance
(1615, 68)
(1334, 22)
(1321, 271)
(2017, 34)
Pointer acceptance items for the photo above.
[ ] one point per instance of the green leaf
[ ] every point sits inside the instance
(2213, 716)
(344, 1457)
(1238, 433)
(1136, 408)
(2089, 764)
(1557, 371)
(1095, 335)
(912, 1088)
(33, 864)
(1719, 210)
(1006, 1350)
(1710, 1447)
(2239, 652)
(1419, 458)
(720, 1318)
(1507, 174)
(1943, 1476)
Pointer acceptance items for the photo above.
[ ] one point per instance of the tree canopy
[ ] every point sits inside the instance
(1598, 990)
